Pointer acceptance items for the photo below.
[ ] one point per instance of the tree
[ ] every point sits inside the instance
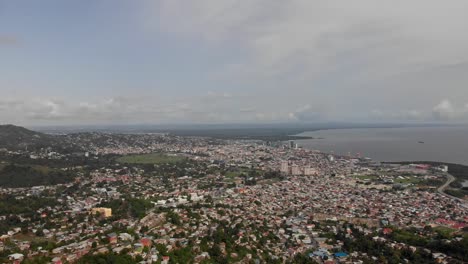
(40, 232)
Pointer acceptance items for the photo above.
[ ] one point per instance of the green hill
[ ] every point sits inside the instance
(19, 138)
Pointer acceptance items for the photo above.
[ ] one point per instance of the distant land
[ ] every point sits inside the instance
(16, 137)
(265, 132)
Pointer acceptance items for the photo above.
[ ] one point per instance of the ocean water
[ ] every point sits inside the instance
(445, 144)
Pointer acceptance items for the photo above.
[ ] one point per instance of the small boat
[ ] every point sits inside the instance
(421, 142)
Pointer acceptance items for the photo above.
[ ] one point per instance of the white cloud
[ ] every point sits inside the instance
(319, 36)
(444, 110)
(353, 55)
(306, 113)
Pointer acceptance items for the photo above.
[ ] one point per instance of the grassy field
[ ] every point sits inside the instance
(408, 180)
(153, 158)
(444, 231)
(32, 238)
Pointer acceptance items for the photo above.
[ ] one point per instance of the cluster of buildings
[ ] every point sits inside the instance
(274, 218)
(294, 169)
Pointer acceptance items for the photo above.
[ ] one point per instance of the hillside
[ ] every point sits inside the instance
(19, 138)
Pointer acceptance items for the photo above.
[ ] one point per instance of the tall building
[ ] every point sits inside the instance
(295, 170)
(291, 144)
(308, 171)
(284, 167)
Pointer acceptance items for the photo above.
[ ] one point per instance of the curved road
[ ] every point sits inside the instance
(442, 188)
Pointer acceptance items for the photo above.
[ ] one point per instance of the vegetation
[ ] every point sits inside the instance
(19, 138)
(14, 137)
(383, 252)
(154, 158)
(14, 176)
(128, 207)
(456, 248)
(106, 258)
(460, 172)
(459, 193)
(11, 206)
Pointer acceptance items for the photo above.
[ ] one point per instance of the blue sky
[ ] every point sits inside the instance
(221, 61)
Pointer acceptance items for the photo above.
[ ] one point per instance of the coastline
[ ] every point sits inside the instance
(456, 175)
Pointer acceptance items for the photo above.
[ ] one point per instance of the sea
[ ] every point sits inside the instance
(442, 143)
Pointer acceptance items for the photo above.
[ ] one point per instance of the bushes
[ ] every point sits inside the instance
(26, 176)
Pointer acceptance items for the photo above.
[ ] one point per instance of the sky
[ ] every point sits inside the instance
(228, 61)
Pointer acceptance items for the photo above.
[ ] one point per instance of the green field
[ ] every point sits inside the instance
(444, 231)
(234, 174)
(153, 158)
(408, 180)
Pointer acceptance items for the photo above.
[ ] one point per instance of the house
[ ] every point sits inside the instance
(57, 260)
(112, 238)
(106, 212)
(138, 248)
(322, 253)
(16, 257)
(341, 255)
(146, 242)
(165, 259)
(387, 231)
(125, 237)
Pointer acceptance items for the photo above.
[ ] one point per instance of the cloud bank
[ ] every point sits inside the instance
(240, 61)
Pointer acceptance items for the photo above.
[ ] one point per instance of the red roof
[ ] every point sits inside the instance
(387, 231)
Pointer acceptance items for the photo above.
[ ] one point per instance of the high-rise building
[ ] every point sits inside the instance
(284, 167)
(295, 170)
(291, 144)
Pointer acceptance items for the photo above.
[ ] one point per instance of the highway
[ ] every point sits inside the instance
(442, 188)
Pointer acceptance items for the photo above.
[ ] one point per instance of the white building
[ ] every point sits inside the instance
(295, 170)
(308, 171)
(284, 167)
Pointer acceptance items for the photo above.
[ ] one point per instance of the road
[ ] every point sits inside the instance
(442, 188)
